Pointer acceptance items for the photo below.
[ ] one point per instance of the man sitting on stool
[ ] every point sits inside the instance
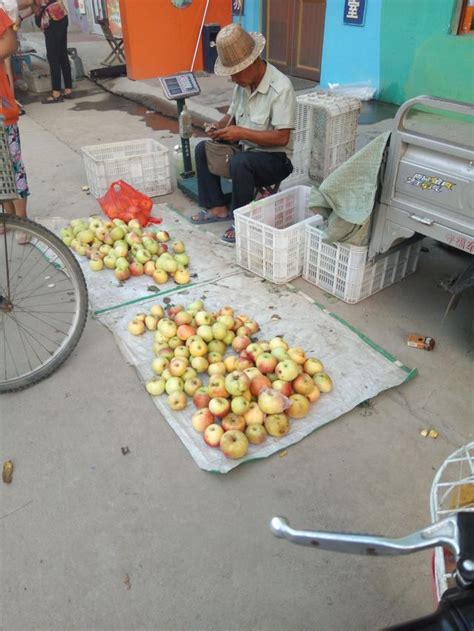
(263, 110)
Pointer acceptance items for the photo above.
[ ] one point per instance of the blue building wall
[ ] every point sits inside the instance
(351, 54)
(251, 16)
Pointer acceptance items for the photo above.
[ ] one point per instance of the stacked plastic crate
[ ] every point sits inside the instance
(324, 136)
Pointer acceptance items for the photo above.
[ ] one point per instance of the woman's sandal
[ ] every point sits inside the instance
(52, 99)
(67, 96)
(229, 235)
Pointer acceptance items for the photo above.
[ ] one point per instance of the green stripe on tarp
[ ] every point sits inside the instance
(165, 292)
(411, 372)
(157, 294)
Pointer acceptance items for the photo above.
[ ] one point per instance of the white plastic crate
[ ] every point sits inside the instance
(269, 234)
(343, 271)
(144, 164)
(37, 81)
(324, 136)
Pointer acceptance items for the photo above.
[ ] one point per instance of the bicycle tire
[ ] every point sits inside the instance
(64, 263)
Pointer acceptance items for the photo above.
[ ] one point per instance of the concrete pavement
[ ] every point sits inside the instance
(92, 539)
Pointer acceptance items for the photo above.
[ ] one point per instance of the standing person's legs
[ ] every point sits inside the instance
(210, 192)
(53, 53)
(64, 59)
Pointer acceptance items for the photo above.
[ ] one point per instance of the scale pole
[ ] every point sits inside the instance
(185, 146)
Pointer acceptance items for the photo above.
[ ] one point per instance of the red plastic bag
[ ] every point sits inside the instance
(122, 201)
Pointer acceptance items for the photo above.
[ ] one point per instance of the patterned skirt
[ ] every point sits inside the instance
(13, 139)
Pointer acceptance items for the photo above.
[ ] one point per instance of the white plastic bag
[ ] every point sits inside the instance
(361, 91)
(11, 9)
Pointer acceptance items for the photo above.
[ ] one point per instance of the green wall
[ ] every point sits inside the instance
(419, 56)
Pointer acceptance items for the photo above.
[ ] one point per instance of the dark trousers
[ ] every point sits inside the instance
(248, 169)
(56, 52)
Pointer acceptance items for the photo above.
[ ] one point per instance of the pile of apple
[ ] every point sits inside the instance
(249, 394)
(128, 249)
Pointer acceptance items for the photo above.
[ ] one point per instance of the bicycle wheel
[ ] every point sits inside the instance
(43, 303)
(452, 491)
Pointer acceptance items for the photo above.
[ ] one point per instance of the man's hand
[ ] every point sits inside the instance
(233, 133)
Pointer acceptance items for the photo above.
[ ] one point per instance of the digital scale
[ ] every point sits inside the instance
(178, 87)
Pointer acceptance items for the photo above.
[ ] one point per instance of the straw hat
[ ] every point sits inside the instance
(236, 49)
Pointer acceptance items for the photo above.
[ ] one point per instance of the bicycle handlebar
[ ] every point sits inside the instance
(456, 609)
(443, 533)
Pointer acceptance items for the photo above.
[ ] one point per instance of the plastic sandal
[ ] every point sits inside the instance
(229, 235)
(52, 99)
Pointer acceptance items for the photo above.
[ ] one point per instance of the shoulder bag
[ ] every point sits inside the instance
(218, 157)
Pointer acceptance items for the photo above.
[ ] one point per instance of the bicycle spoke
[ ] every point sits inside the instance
(47, 322)
(22, 340)
(30, 332)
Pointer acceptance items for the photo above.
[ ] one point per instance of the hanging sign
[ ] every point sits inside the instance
(113, 14)
(354, 12)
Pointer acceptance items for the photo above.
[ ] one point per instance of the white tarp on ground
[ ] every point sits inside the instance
(207, 261)
(359, 369)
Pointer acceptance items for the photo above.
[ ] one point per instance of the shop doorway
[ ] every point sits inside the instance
(294, 31)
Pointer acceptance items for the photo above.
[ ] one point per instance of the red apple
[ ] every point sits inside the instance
(284, 387)
(236, 383)
(219, 406)
(303, 384)
(277, 425)
(177, 400)
(239, 405)
(234, 444)
(202, 419)
(287, 370)
(254, 415)
(266, 363)
(178, 366)
(217, 388)
(183, 317)
(314, 394)
(312, 366)
(233, 421)
(271, 402)
(297, 354)
(256, 434)
(323, 381)
(213, 434)
(229, 362)
(185, 331)
(258, 383)
(299, 406)
(201, 397)
(240, 342)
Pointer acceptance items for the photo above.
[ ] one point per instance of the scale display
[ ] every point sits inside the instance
(180, 86)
